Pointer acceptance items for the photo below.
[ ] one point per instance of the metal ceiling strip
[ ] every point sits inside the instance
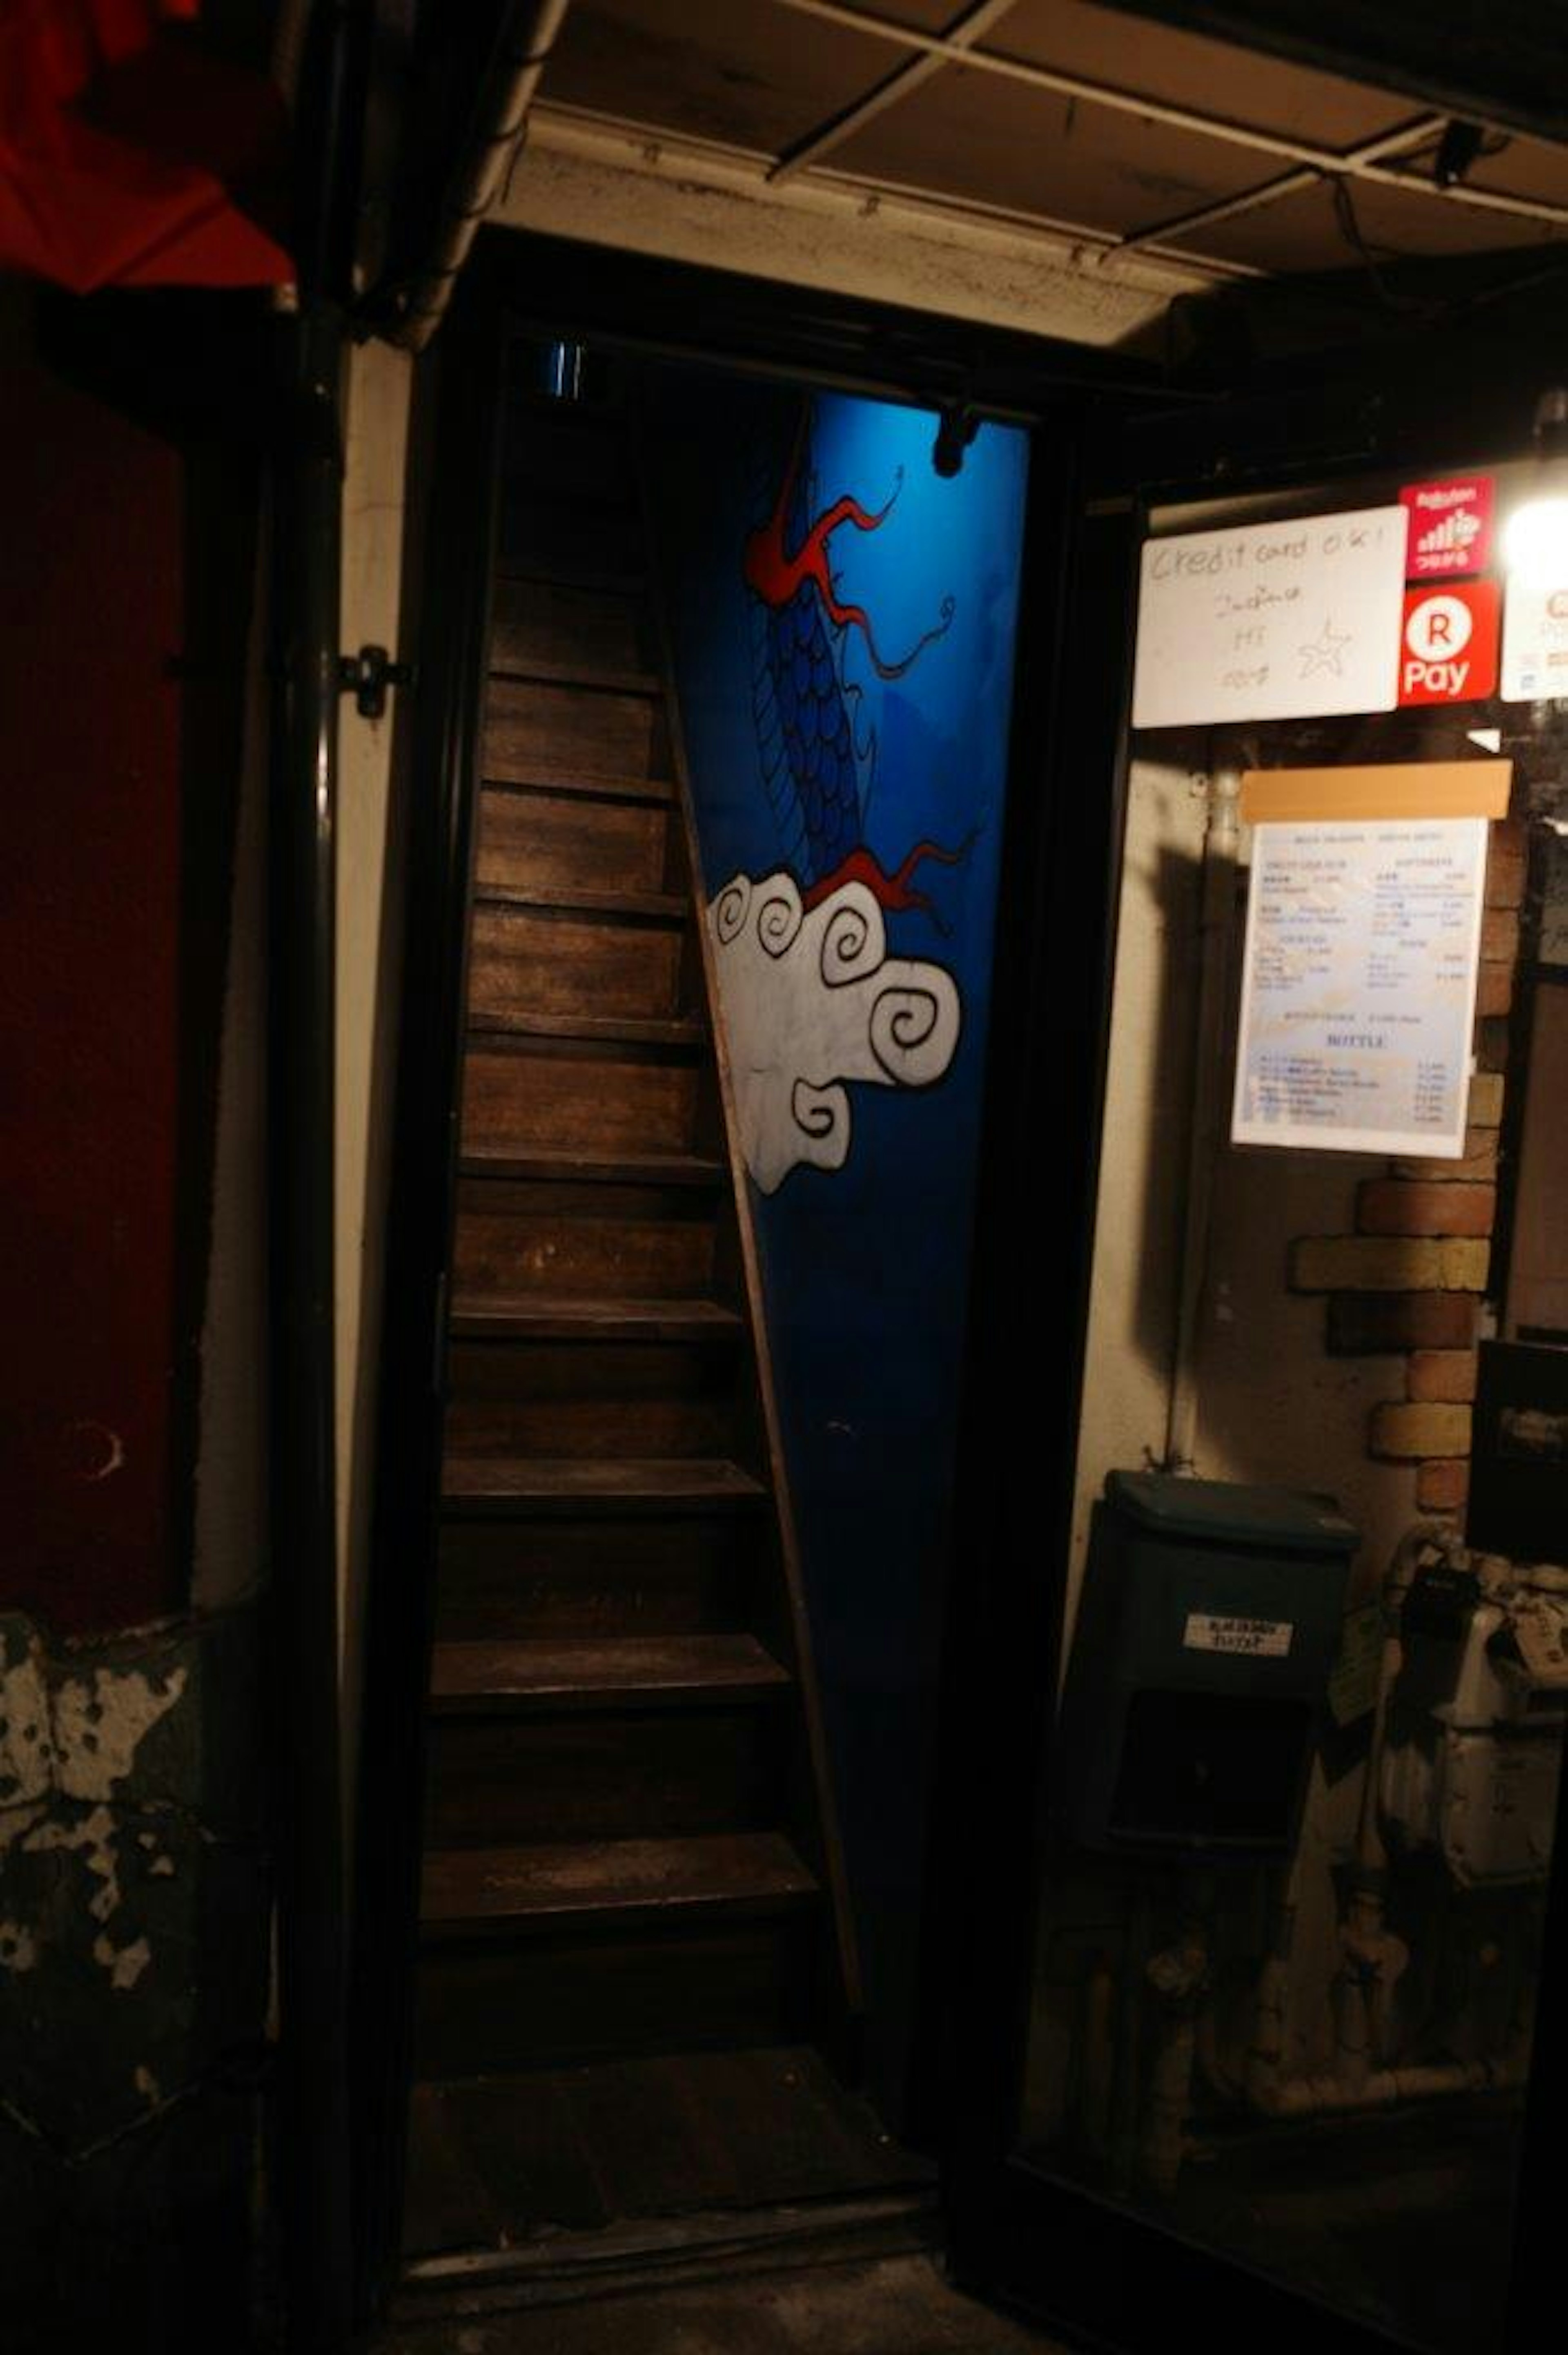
(703, 161)
(903, 80)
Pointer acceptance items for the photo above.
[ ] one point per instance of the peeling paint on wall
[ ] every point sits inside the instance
(100, 1726)
(93, 1838)
(133, 1935)
(26, 1752)
(18, 1948)
(124, 1965)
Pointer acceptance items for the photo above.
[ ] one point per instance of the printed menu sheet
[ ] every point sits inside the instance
(1360, 988)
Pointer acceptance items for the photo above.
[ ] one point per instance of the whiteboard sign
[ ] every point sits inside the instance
(1360, 988)
(1274, 621)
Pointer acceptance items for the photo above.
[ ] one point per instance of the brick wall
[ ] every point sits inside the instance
(1410, 1280)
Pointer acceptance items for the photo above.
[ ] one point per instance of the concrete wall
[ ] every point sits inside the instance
(1273, 1407)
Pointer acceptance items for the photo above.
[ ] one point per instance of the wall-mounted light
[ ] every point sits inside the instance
(1535, 537)
(956, 429)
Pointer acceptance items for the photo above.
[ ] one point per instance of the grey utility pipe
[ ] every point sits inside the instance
(506, 93)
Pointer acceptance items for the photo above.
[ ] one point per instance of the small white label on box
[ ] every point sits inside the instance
(1267, 1640)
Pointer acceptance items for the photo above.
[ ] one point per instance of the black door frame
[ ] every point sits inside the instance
(520, 286)
(1100, 2275)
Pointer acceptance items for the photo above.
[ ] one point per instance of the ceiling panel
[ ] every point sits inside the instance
(1304, 232)
(924, 15)
(763, 76)
(747, 73)
(1208, 76)
(970, 136)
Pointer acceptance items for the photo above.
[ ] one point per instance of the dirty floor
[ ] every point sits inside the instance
(892, 2305)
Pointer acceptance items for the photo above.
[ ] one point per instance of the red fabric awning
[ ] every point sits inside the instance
(131, 156)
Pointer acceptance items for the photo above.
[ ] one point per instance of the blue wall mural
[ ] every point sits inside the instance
(843, 620)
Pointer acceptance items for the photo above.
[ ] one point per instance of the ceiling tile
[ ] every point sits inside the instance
(970, 136)
(1303, 232)
(750, 75)
(1210, 76)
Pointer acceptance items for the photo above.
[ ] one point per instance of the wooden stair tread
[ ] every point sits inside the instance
(531, 1317)
(592, 785)
(562, 1164)
(469, 1888)
(593, 1672)
(630, 1029)
(690, 1481)
(599, 678)
(668, 906)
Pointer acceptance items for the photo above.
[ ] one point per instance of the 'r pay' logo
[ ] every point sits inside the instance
(1449, 652)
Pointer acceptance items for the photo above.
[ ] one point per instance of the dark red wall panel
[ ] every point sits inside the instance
(90, 621)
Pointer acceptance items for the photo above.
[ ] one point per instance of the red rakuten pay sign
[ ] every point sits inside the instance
(1449, 650)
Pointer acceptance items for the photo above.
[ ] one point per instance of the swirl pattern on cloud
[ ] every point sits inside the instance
(812, 1005)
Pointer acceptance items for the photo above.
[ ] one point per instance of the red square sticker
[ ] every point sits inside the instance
(1448, 652)
(1449, 526)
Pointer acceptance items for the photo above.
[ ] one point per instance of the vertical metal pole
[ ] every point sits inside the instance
(312, 2178)
(312, 2122)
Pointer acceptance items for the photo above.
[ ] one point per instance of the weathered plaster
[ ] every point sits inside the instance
(133, 1939)
(99, 1725)
(26, 1758)
(18, 1948)
(124, 1965)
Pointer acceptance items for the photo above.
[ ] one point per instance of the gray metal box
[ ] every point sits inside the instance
(1209, 1623)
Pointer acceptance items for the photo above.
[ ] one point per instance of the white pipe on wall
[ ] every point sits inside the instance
(1220, 838)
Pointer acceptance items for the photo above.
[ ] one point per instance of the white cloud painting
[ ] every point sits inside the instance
(814, 1005)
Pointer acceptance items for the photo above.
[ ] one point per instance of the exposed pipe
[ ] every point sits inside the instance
(1179, 1974)
(1371, 1958)
(526, 39)
(307, 518)
(1220, 836)
(1308, 2097)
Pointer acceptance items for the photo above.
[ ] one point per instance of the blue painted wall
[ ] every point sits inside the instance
(800, 750)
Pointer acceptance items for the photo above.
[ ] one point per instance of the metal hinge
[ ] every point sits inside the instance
(367, 675)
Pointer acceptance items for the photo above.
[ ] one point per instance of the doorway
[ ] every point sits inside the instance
(697, 1071)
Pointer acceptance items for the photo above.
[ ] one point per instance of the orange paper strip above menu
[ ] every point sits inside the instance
(1392, 788)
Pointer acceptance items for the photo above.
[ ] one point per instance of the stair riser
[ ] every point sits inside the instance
(532, 2001)
(514, 1102)
(567, 456)
(578, 1103)
(502, 1782)
(563, 1579)
(591, 1398)
(527, 962)
(531, 729)
(561, 842)
(583, 1242)
(537, 622)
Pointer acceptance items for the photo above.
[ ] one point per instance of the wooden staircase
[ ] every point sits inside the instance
(625, 1849)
